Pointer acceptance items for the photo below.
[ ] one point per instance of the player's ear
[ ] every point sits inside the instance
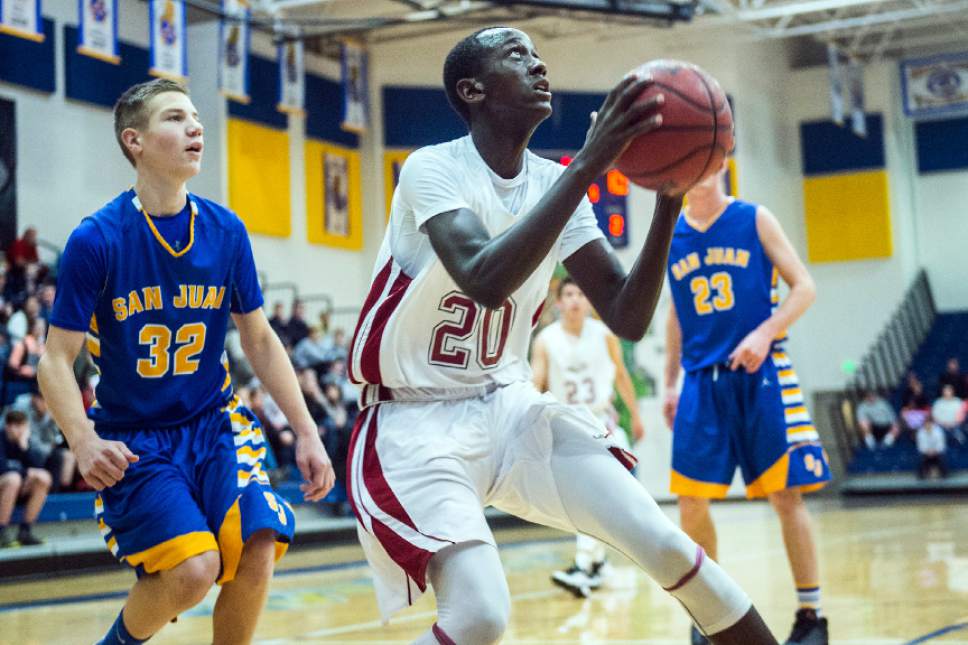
(470, 90)
(131, 139)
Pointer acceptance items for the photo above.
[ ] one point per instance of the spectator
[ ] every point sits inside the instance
(240, 368)
(6, 309)
(915, 404)
(931, 445)
(877, 420)
(24, 356)
(948, 412)
(296, 328)
(47, 446)
(340, 349)
(952, 376)
(337, 428)
(313, 351)
(312, 394)
(19, 479)
(23, 251)
(337, 374)
(46, 295)
(21, 320)
(281, 438)
(278, 323)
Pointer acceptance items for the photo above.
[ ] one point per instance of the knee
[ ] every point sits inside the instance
(11, 481)
(786, 502)
(190, 581)
(489, 624)
(259, 555)
(692, 509)
(38, 478)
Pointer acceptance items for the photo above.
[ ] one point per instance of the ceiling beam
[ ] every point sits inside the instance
(863, 21)
(797, 8)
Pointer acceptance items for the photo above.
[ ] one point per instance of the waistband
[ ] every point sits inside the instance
(373, 394)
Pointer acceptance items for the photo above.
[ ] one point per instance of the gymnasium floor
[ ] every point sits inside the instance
(893, 574)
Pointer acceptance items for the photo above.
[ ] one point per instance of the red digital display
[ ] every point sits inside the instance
(616, 183)
(616, 224)
(594, 193)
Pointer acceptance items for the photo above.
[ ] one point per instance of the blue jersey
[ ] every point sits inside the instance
(723, 284)
(155, 304)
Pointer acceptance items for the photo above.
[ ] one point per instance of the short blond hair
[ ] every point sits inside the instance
(131, 110)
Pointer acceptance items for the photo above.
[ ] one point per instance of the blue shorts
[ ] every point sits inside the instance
(196, 487)
(758, 422)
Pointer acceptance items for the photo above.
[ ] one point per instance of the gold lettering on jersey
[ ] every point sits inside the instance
(120, 307)
(134, 304)
(718, 255)
(195, 294)
(181, 300)
(198, 296)
(152, 298)
(218, 300)
(685, 266)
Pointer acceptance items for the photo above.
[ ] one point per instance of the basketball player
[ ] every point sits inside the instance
(741, 403)
(149, 282)
(450, 420)
(579, 361)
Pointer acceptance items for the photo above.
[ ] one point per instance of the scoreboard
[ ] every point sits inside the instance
(609, 197)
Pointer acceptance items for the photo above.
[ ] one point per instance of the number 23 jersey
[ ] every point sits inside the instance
(417, 329)
(723, 284)
(156, 312)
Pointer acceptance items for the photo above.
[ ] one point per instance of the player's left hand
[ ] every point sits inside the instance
(315, 467)
(638, 429)
(751, 352)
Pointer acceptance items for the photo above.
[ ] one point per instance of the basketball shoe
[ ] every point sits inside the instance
(578, 581)
(809, 629)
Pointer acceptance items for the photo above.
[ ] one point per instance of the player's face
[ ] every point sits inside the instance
(515, 78)
(572, 303)
(710, 185)
(172, 143)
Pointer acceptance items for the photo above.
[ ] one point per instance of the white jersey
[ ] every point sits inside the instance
(417, 329)
(580, 369)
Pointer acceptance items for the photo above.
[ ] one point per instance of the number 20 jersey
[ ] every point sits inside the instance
(417, 329)
(723, 284)
(155, 316)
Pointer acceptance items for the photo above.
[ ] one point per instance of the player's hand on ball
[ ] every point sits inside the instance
(751, 352)
(669, 405)
(315, 467)
(618, 121)
(102, 463)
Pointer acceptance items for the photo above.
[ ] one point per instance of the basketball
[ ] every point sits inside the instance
(696, 132)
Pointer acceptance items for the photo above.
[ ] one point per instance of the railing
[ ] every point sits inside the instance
(886, 362)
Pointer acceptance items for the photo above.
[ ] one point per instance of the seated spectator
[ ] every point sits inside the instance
(915, 406)
(281, 438)
(278, 322)
(337, 428)
(240, 369)
(47, 445)
(45, 296)
(876, 420)
(337, 374)
(312, 394)
(6, 309)
(313, 351)
(931, 445)
(296, 328)
(21, 320)
(948, 411)
(23, 251)
(24, 356)
(20, 479)
(952, 376)
(340, 348)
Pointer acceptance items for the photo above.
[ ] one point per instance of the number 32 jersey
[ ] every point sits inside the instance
(156, 309)
(723, 284)
(417, 329)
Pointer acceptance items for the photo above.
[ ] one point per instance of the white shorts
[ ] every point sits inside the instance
(421, 473)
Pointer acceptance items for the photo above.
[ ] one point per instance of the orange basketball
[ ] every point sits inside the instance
(696, 132)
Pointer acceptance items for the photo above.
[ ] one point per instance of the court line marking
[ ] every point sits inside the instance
(938, 632)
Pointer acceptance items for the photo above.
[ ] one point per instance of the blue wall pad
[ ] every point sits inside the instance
(96, 81)
(264, 92)
(324, 112)
(29, 63)
(942, 145)
(829, 148)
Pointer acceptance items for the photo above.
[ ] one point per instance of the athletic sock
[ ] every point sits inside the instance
(118, 634)
(809, 598)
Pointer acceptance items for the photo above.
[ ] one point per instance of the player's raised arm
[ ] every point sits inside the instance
(626, 302)
(490, 269)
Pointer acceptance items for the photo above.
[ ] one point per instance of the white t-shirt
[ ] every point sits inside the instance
(416, 329)
(580, 369)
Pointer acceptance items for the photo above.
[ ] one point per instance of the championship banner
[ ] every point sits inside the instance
(233, 75)
(97, 29)
(336, 219)
(855, 87)
(21, 18)
(169, 52)
(291, 78)
(935, 86)
(836, 80)
(353, 72)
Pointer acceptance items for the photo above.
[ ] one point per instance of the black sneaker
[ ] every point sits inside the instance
(7, 541)
(696, 637)
(26, 537)
(576, 580)
(808, 629)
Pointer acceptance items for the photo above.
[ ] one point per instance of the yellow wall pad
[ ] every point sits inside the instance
(392, 163)
(848, 216)
(259, 188)
(170, 553)
(327, 166)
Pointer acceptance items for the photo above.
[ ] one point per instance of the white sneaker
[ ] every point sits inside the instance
(869, 440)
(889, 441)
(576, 580)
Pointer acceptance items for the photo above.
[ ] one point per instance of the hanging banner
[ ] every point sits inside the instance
(233, 75)
(169, 53)
(336, 220)
(291, 79)
(21, 18)
(935, 86)
(97, 32)
(855, 88)
(353, 72)
(836, 80)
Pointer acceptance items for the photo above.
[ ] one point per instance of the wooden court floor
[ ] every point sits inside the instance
(892, 574)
